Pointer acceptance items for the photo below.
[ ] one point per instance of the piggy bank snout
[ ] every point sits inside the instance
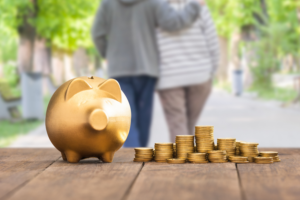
(98, 119)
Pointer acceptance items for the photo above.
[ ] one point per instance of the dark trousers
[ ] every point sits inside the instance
(139, 91)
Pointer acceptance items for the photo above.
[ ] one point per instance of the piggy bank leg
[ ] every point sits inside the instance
(72, 156)
(63, 155)
(107, 157)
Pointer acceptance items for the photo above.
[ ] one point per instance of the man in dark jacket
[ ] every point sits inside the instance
(124, 33)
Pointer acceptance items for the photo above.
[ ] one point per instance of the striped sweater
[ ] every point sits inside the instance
(190, 56)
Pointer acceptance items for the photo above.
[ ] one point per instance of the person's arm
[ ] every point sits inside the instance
(99, 30)
(211, 38)
(169, 19)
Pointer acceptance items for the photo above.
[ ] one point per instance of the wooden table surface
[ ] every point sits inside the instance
(37, 174)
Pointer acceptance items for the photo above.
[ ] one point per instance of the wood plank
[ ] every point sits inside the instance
(18, 166)
(124, 155)
(276, 181)
(186, 181)
(89, 179)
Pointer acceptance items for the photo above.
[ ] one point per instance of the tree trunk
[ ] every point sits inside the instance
(68, 69)
(26, 44)
(223, 66)
(58, 68)
(81, 62)
(25, 50)
(42, 57)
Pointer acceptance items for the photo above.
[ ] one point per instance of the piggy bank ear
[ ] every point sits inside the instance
(76, 86)
(98, 120)
(112, 87)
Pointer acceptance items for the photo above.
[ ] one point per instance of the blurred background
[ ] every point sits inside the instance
(256, 95)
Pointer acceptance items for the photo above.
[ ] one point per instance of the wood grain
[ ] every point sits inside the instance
(18, 166)
(89, 179)
(186, 181)
(124, 155)
(276, 181)
(33, 174)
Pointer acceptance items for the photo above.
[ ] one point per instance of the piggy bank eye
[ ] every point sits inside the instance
(98, 120)
(112, 87)
(76, 86)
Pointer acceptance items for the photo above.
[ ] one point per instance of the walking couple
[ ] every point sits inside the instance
(169, 46)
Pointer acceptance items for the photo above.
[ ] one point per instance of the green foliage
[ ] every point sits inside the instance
(283, 15)
(66, 23)
(8, 30)
(8, 44)
(278, 37)
(231, 16)
(8, 92)
(266, 61)
(10, 74)
(11, 13)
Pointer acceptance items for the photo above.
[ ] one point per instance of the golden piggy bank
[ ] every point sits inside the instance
(88, 117)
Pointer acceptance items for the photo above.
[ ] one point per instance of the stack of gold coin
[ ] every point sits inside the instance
(197, 158)
(272, 154)
(174, 150)
(184, 145)
(217, 156)
(204, 138)
(163, 151)
(263, 160)
(237, 148)
(238, 159)
(227, 144)
(176, 160)
(249, 149)
(143, 154)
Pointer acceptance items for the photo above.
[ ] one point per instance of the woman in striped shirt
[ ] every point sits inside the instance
(189, 59)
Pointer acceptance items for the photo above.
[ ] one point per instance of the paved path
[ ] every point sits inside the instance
(241, 118)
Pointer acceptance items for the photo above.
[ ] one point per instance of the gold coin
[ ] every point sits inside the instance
(216, 151)
(143, 156)
(161, 161)
(143, 149)
(240, 162)
(237, 157)
(219, 161)
(196, 159)
(269, 152)
(196, 154)
(198, 162)
(176, 161)
(206, 126)
(227, 139)
(263, 158)
(248, 144)
(163, 148)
